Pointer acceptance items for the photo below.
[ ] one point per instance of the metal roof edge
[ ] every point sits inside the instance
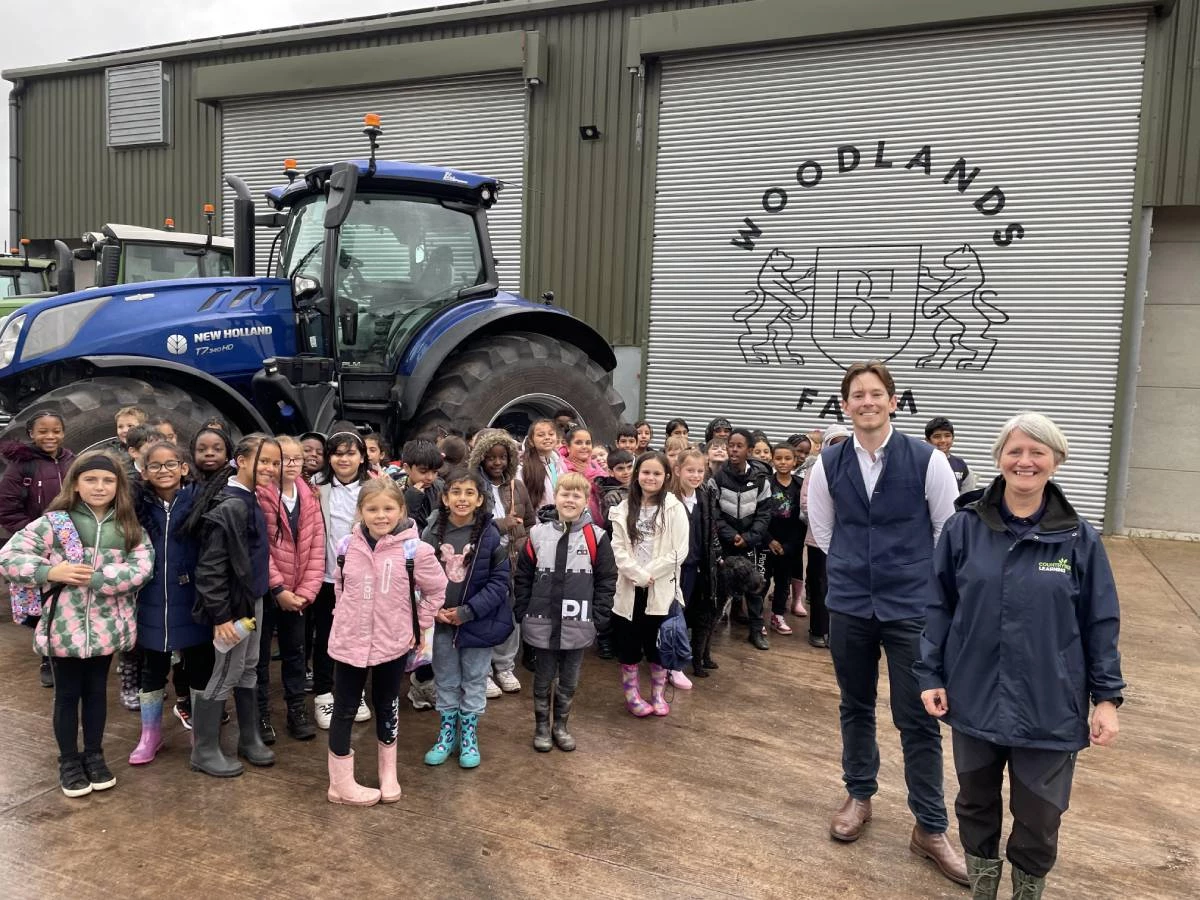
(776, 21)
(304, 33)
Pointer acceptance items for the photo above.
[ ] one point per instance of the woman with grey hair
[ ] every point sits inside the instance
(1021, 633)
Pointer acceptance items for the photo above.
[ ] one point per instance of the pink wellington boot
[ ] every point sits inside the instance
(389, 787)
(658, 690)
(151, 739)
(342, 786)
(798, 599)
(633, 695)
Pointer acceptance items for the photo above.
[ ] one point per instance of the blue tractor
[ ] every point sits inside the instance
(385, 310)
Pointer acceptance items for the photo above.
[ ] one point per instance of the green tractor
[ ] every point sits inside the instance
(128, 254)
(23, 279)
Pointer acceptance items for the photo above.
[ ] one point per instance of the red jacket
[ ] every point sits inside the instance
(296, 565)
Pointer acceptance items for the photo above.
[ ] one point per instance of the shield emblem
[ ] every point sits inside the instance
(865, 301)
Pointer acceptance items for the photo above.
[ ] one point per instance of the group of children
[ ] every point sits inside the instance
(190, 561)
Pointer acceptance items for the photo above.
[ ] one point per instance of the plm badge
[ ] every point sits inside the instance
(177, 344)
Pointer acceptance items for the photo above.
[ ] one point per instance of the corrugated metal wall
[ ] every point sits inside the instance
(1171, 174)
(583, 198)
(872, 252)
(72, 183)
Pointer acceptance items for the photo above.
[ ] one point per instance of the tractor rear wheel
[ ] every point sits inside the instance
(509, 380)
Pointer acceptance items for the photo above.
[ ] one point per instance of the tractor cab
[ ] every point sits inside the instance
(22, 278)
(374, 251)
(128, 254)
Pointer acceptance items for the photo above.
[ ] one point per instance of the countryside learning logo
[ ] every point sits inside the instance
(1061, 566)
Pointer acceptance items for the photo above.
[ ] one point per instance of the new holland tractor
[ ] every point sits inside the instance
(385, 311)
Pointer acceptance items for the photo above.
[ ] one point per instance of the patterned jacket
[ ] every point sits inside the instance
(96, 620)
(562, 598)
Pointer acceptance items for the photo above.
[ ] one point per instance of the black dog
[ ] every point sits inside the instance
(743, 582)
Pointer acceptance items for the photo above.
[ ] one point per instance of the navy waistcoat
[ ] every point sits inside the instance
(881, 553)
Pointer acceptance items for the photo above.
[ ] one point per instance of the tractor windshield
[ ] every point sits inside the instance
(161, 262)
(399, 257)
(17, 283)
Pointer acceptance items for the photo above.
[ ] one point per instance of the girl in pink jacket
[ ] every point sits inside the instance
(388, 585)
(296, 547)
(576, 456)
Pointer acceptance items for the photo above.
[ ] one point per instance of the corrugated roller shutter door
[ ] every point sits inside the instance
(476, 124)
(883, 260)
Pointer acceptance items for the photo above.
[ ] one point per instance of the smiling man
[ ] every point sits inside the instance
(876, 505)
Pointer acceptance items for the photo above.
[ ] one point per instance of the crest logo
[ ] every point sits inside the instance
(860, 302)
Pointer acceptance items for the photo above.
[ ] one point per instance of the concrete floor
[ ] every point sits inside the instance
(727, 797)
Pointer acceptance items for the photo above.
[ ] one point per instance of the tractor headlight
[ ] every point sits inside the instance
(54, 328)
(8, 339)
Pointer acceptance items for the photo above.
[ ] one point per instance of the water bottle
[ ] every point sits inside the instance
(243, 627)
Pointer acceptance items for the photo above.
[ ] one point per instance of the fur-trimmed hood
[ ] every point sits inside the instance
(488, 439)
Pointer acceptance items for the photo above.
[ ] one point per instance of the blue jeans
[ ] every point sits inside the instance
(459, 673)
(855, 644)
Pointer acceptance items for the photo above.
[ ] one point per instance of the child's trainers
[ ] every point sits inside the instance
(422, 694)
(183, 711)
(492, 690)
(779, 624)
(71, 777)
(508, 681)
(98, 774)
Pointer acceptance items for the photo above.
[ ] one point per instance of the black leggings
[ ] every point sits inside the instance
(197, 664)
(348, 684)
(80, 683)
(637, 639)
(815, 585)
(322, 614)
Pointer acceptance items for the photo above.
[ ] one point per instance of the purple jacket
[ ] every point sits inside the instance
(21, 504)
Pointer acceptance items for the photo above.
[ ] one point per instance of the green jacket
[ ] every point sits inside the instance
(96, 620)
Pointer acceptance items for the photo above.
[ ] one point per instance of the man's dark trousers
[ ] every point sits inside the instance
(855, 645)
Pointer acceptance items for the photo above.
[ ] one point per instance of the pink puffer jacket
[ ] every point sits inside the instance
(296, 565)
(591, 472)
(372, 618)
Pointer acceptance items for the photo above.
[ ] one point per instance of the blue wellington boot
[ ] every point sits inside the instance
(468, 755)
(447, 740)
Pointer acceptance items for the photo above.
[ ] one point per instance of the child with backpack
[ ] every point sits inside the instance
(164, 610)
(339, 482)
(496, 457)
(382, 564)
(475, 618)
(35, 475)
(650, 542)
(89, 556)
(232, 577)
(296, 551)
(564, 585)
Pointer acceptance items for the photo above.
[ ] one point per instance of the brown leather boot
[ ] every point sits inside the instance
(850, 819)
(945, 855)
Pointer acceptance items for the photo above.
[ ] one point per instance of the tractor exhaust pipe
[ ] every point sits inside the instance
(65, 263)
(243, 228)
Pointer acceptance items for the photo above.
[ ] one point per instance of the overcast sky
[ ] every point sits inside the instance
(39, 33)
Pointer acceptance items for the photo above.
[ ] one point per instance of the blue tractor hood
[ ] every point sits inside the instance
(222, 326)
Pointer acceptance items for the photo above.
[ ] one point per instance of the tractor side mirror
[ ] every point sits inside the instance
(343, 184)
(110, 265)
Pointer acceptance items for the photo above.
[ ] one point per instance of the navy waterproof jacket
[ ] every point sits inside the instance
(486, 591)
(1021, 631)
(164, 610)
